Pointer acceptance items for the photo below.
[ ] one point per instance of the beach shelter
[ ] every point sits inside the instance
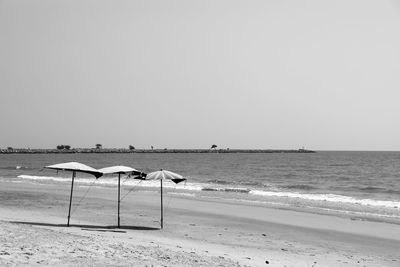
(119, 170)
(74, 167)
(162, 175)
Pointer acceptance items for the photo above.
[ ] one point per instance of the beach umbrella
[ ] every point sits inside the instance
(74, 167)
(162, 175)
(119, 170)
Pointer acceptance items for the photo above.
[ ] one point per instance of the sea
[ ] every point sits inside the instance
(357, 185)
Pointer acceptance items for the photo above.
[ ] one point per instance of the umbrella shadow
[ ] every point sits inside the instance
(89, 227)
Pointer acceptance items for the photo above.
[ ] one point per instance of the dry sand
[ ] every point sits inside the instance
(198, 232)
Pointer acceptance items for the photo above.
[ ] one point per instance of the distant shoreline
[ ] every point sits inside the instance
(126, 151)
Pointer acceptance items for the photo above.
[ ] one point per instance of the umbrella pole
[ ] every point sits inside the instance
(119, 192)
(162, 221)
(70, 197)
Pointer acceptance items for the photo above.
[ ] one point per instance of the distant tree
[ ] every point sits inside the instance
(9, 148)
(99, 146)
(60, 147)
(68, 147)
(131, 147)
(214, 146)
(152, 147)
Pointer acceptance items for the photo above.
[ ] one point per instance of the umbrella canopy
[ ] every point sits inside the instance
(74, 167)
(162, 175)
(77, 167)
(119, 170)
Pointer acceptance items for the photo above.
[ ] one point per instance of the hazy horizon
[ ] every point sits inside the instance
(204, 148)
(323, 75)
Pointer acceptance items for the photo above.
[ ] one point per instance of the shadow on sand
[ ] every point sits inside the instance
(100, 228)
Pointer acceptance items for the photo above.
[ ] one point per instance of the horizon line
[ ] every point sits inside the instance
(209, 148)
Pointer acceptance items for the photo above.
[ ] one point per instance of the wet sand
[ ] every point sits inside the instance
(197, 232)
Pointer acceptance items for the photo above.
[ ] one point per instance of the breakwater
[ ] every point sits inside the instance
(165, 150)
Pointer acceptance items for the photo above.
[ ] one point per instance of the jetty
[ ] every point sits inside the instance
(165, 150)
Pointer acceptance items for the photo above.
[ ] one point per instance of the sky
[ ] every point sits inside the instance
(324, 75)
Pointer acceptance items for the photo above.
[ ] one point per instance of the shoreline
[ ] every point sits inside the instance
(232, 234)
(356, 210)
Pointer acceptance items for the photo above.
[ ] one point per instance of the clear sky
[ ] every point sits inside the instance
(188, 74)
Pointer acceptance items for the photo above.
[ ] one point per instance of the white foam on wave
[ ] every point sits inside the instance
(361, 213)
(226, 189)
(330, 198)
(167, 184)
(114, 181)
(333, 198)
(44, 178)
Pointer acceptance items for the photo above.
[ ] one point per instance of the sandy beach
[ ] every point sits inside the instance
(197, 232)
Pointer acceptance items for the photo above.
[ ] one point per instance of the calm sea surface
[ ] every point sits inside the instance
(359, 184)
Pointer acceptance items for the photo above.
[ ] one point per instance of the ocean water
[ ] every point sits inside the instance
(363, 185)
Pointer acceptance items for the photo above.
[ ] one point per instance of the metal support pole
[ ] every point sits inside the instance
(119, 193)
(162, 220)
(70, 197)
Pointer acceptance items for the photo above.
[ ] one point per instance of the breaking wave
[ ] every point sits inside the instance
(332, 198)
(228, 189)
(112, 182)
